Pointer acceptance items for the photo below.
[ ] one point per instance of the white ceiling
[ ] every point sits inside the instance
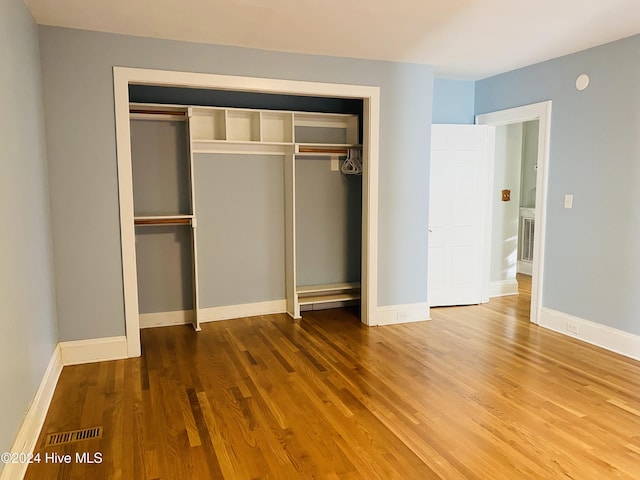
(466, 39)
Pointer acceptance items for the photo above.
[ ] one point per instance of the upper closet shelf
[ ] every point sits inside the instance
(240, 125)
(269, 127)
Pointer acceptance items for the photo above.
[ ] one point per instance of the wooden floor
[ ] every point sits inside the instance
(476, 393)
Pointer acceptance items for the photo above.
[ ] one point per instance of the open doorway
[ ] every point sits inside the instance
(513, 209)
(520, 244)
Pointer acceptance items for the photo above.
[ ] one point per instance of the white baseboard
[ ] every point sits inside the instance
(393, 314)
(612, 339)
(29, 430)
(213, 314)
(502, 288)
(165, 319)
(93, 350)
(328, 305)
(525, 267)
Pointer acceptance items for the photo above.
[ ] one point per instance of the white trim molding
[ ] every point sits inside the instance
(166, 319)
(525, 267)
(612, 339)
(93, 350)
(214, 314)
(33, 421)
(503, 288)
(124, 76)
(409, 313)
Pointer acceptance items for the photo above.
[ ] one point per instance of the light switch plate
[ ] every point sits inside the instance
(568, 201)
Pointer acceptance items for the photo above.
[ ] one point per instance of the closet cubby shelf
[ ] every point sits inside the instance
(210, 126)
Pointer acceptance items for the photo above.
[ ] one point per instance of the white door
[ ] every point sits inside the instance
(458, 189)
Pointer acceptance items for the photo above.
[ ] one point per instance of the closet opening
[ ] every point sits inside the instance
(162, 216)
(244, 201)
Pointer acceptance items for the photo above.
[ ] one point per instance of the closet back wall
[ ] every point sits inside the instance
(240, 212)
(160, 168)
(328, 224)
(78, 93)
(233, 99)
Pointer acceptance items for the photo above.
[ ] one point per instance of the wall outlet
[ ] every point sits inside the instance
(572, 328)
(402, 316)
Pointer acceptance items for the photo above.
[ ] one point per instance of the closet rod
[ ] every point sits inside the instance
(343, 151)
(157, 112)
(162, 221)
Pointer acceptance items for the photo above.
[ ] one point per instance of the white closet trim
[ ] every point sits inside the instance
(123, 77)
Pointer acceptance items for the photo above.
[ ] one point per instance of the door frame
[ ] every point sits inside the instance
(370, 95)
(541, 112)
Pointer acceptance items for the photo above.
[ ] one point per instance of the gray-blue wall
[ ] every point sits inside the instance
(241, 229)
(28, 322)
(328, 223)
(592, 256)
(78, 91)
(453, 101)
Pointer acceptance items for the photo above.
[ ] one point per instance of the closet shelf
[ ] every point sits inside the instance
(206, 141)
(328, 293)
(271, 148)
(240, 147)
(337, 297)
(326, 120)
(267, 127)
(327, 287)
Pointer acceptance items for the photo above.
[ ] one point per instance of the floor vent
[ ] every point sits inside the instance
(62, 438)
(526, 239)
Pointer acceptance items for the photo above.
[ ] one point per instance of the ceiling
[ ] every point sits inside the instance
(464, 39)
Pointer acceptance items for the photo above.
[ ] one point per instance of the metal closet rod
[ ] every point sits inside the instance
(343, 151)
(157, 112)
(162, 221)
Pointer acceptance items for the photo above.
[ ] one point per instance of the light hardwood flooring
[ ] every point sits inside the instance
(476, 393)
